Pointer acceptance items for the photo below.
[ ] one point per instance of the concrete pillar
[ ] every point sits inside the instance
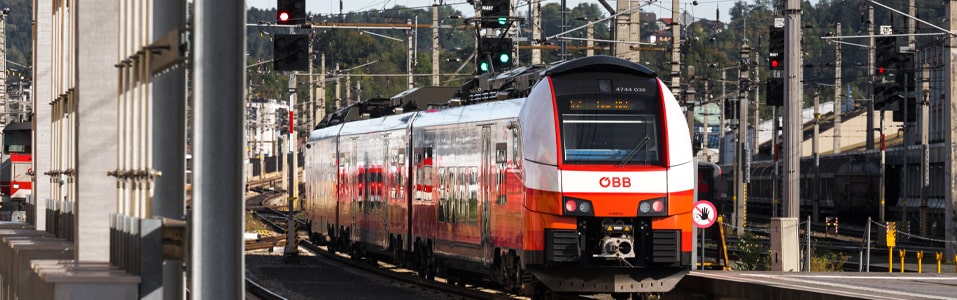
(950, 140)
(42, 112)
(169, 157)
(95, 133)
(217, 218)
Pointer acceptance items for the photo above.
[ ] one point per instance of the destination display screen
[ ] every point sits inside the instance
(579, 103)
(607, 93)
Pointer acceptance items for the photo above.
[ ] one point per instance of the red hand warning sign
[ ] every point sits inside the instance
(704, 214)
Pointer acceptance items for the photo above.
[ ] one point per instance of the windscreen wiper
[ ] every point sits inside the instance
(634, 151)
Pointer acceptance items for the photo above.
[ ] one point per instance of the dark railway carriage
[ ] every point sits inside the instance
(845, 186)
(584, 186)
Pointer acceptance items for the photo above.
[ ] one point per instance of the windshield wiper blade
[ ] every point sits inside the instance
(634, 151)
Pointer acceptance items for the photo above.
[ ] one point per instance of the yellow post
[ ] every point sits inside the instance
(902, 252)
(724, 243)
(890, 259)
(920, 263)
(939, 257)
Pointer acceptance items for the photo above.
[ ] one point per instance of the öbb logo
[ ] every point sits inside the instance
(615, 182)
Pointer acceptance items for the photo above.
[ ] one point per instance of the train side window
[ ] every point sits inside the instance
(457, 198)
(423, 173)
(516, 147)
(452, 197)
(449, 190)
(443, 197)
(501, 163)
(473, 190)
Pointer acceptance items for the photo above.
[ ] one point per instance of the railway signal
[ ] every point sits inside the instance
(884, 56)
(886, 93)
(495, 13)
(290, 12)
(905, 77)
(886, 90)
(775, 48)
(775, 82)
(775, 91)
(495, 54)
(291, 52)
(730, 108)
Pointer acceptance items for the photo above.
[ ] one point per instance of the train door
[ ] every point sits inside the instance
(358, 183)
(384, 181)
(487, 185)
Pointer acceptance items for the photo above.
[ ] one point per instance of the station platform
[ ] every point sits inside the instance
(38, 265)
(814, 285)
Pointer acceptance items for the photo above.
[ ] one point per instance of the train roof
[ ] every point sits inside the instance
(18, 126)
(325, 132)
(475, 113)
(599, 63)
(386, 123)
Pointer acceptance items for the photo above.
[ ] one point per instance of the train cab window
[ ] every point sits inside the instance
(610, 138)
(609, 118)
(17, 138)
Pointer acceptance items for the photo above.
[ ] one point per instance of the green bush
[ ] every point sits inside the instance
(824, 259)
(752, 255)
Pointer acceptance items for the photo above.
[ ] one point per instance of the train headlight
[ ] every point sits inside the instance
(16, 185)
(653, 207)
(571, 206)
(657, 206)
(584, 207)
(577, 207)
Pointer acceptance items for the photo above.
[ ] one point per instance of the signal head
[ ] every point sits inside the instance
(504, 58)
(290, 12)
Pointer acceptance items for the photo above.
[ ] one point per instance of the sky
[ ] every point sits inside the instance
(706, 9)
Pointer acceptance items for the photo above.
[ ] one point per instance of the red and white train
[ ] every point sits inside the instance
(16, 173)
(584, 186)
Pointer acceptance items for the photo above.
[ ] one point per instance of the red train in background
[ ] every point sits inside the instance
(583, 184)
(16, 173)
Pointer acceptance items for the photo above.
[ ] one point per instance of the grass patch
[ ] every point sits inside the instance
(253, 224)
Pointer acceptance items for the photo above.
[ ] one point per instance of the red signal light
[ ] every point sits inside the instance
(881, 70)
(775, 63)
(283, 16)
(657, 206)
(571, 206)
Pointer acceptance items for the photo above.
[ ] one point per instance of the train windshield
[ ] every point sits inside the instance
(610, 138)
(609, 118)
(17, 138)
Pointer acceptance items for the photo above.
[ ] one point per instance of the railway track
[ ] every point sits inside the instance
(275, 219)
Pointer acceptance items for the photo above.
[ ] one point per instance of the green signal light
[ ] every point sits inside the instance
(483, 66)
(502, 20)
(504, 57)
